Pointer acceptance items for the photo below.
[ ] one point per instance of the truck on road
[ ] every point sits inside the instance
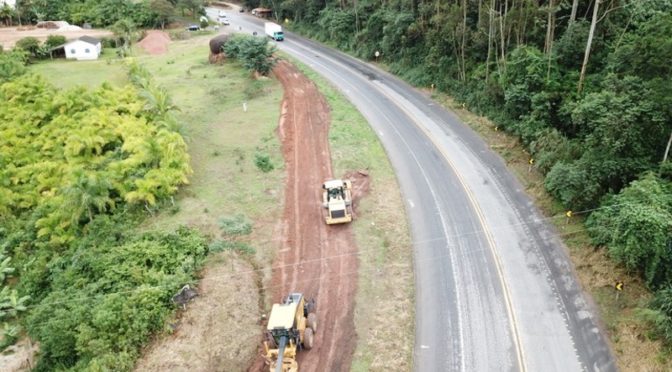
(274, 31)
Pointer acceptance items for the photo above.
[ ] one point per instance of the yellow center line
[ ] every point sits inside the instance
(491, 242)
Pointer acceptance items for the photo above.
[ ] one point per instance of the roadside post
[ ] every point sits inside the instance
(619, 288)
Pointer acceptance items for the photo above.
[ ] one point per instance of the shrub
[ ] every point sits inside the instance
(235, 225)
(111, 296)
(54, 41)
(263, 162)
(30, 45)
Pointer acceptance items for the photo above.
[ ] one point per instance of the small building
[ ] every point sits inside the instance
(85, 48)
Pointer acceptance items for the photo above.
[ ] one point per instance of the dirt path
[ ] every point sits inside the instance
(314, 258)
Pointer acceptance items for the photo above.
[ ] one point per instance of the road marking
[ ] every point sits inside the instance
(380, 132)
(424, 347)
(479, 213)
(410, 202)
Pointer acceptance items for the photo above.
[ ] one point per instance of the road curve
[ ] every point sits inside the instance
(495, 290)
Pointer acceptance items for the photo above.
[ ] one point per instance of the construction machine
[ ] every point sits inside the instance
(337, 199)
(292, 325)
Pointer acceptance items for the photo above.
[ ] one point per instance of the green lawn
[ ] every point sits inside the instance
(223, 141)
(69, 73)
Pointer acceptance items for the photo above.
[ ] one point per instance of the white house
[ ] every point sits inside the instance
(83, 49)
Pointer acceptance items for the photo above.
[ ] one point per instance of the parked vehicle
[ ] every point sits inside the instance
(193, 28)
(274, 31)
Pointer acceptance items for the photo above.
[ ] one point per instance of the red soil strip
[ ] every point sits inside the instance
(316, 259)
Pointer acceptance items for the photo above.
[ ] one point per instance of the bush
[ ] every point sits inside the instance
(636, 226)
(12, 65)
(111, 296)
(235, 225)
(263, 162)
(30, 45)
(255, 53)
(54, 41)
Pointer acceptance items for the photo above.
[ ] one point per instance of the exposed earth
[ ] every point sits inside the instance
(318, 260)
(155, 42)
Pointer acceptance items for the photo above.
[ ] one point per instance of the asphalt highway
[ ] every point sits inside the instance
(495, 290)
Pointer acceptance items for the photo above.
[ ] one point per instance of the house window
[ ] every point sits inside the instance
(72, 51)
(86, 50)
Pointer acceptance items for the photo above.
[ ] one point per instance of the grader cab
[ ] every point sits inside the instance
(291, 326)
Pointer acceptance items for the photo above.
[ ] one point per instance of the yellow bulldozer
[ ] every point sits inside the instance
(291, 326)
(337, 199)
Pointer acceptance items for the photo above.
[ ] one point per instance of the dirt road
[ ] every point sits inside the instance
(314, 258)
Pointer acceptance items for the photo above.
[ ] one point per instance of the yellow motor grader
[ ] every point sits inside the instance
(291, 326)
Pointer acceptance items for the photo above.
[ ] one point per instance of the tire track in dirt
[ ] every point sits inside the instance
(312, 258)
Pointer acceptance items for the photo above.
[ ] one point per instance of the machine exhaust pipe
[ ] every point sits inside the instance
(281, 353)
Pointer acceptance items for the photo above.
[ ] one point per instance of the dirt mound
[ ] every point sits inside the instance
(155, 42)
(360, 187)
(314, 258)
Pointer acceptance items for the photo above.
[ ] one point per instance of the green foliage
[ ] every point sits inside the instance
(163, 11)
(10, 335)
(54, 41)
(73, 154)
(263, 162)
(204, 23)
(106, 298)
(234, 246)
(30, 45)
(660, 314)
(255, 53)
(235, 225)
(636, 227)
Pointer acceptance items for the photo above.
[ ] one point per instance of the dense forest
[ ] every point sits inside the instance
(585, 84)
(100, 13)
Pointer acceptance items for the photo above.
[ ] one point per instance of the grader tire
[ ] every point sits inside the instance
(312, 322)
(308, 339)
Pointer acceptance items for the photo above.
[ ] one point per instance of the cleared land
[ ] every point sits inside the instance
(10, 35)
(385, 301)
(90, 74)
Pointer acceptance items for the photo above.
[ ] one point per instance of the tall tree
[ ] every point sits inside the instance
(165, 11)
(589, 43)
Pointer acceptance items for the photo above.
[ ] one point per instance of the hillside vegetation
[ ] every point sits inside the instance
(78, 169)
(585, 86)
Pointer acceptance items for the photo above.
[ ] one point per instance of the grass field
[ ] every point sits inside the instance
(223, 141)
(69, 73)
(384, 305)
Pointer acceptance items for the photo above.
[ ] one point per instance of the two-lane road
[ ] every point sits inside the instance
(495, 289)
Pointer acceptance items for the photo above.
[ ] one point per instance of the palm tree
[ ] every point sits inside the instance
(86, 195)
(7, 13)
(123, 30)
